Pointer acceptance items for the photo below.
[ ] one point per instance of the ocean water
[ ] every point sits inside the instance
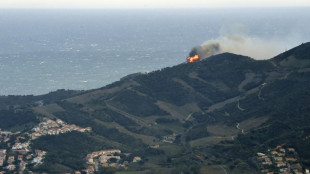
(46, 50)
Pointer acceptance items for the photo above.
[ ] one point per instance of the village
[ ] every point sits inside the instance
(280, 160)
(107, 158)
(16, 153)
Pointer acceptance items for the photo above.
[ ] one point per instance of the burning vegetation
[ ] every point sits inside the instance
(194, 58)
(200, 52)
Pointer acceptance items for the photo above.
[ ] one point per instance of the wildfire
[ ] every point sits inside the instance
(193, 59)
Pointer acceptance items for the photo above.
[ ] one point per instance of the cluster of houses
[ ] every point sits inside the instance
(19, 162)
(280, 160)
(51, 127)
(2, 156)
(16, 157)
(106, 158)
(5, 136)
(39, 156)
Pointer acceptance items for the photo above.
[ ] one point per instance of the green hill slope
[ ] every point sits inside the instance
(208, 116)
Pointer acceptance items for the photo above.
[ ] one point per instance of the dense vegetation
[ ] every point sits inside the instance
(17, 119)
(139, 105)
(205, 116)
(12, 101)
(67, 150)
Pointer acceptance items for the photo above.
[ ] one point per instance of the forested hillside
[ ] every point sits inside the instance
(212, 116)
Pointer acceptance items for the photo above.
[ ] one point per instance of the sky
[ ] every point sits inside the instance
(151, 3)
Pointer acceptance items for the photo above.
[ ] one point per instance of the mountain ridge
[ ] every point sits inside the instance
(224, 109)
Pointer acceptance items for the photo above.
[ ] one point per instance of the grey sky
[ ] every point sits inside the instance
(150, 3)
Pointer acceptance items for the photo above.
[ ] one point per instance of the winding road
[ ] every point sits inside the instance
(237, 126)
(224, 169)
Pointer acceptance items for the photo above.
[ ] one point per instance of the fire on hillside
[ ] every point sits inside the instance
(201, 52)
(194, 58)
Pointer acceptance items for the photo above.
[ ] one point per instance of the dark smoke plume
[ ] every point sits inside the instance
(233, 39)
(206, 50)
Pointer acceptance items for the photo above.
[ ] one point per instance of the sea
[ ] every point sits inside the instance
(43, 50)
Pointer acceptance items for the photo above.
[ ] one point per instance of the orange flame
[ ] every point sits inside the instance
(193, 59)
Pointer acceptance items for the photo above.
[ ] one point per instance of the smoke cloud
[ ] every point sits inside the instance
(235, 40)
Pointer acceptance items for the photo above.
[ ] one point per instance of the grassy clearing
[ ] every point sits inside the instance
(214, 169)
(42, 110)
(52, 108)
(291, 61)
(175, 127)
(252, 123)
(171, 149)
(249, 77)
(222, 130)
(149, 140)
(179, 112)
(208, 141)
(223, 169)
(183, 83)
(85, 98)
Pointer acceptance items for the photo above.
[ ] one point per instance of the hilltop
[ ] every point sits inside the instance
(213, 116)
